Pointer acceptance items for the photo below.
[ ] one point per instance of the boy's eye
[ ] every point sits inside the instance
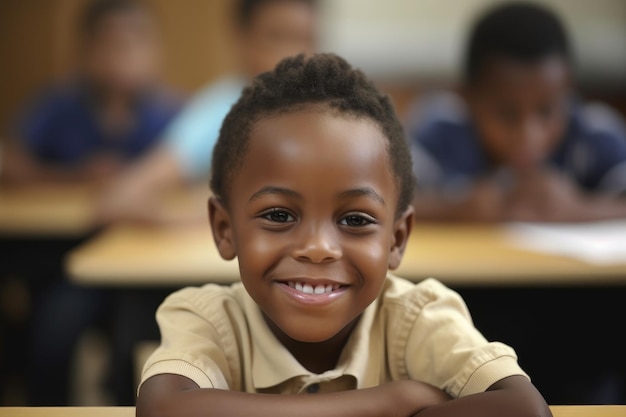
(278, 216)
(355, 220)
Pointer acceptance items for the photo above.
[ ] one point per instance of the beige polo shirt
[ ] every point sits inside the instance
(216, 336)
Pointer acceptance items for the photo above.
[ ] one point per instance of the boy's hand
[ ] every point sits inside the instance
(485, 202)
(544, 195)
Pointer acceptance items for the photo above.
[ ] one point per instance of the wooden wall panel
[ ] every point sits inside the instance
(25, 57)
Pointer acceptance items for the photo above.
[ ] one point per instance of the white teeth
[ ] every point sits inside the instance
(310, 289)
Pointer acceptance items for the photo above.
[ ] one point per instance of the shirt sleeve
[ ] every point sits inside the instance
(444, 155)
(445, 349)
(35, 122)
(191, 344)
(193, 133)
(607, 143)
(611, 165)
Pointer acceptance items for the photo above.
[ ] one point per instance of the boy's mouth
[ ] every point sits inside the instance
(316, 292)
(313, 289)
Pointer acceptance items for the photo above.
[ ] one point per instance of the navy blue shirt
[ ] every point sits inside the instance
(448, 156)
(62, 126)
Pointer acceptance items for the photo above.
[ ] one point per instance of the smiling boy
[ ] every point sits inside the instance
(312, 186)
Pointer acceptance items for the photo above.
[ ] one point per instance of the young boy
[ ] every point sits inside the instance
(312, 185)
(111, 111)
(266, 31)
(517, 145)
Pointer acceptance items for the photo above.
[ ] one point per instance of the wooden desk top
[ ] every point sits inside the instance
(455, 254)
(67, 411)
(69, 210)
(65, 211)
(557, 411)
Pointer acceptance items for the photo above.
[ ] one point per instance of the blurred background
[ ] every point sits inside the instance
(406, 46)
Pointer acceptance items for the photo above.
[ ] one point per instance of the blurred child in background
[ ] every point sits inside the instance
(517, 144)
(111, 112)
(266, 31)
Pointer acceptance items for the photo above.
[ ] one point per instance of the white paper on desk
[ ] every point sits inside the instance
(602, 243)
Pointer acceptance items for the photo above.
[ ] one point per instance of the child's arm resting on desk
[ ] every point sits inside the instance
(173, 395)
(513, 396)
(167, 395)
(482, 202)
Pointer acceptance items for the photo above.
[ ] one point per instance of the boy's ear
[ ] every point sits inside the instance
(222, 229)
(401, 231)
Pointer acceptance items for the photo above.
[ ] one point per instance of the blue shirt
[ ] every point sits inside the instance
(448, 155)
(193, 134)
(62, 126)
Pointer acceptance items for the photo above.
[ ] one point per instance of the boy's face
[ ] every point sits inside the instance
(311, 218)
(520, 110)
(277, 29)
(121, 53)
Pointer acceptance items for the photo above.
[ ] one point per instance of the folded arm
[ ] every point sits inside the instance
(173, 395)
(514, 396)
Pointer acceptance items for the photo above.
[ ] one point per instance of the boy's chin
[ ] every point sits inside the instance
(307, 334)
(316, 331)
(313, 338)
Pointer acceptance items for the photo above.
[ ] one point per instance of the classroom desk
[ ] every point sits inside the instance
(467, 255)
(46, 211)
(67, 411)
(557, 411)
(497, 280)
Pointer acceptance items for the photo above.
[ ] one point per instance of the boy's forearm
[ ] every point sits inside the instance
(398, 399)
(602, 208)
(514, 397)
(588, 208)
(210, 402)
(486, 404)
(439, 209)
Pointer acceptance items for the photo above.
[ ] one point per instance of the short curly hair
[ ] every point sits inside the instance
(523, 31)
(96, 11)
(245, 10)
(297, 82)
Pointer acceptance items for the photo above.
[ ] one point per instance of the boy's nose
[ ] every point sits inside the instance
(318, 244)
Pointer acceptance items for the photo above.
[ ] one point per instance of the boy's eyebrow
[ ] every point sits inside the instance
(274, 190)
(363, 192)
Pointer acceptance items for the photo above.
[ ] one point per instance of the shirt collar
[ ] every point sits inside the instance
(273, 364)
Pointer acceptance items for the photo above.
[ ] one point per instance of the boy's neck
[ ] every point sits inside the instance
(316, 357)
